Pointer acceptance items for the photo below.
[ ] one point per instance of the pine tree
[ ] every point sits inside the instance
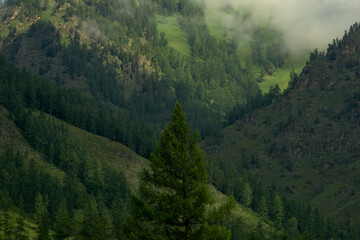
(7, 227)
(292, 227)
(63, 224)
(42, 217)
(91, 220)
(276, 210)
(174, 198)
(104, 228)
(245, 194)
(39, 208)
(20, 232)
(44, 227)
(118, 213)
(263, 210)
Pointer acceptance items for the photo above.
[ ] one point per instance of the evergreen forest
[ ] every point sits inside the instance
(148, 119)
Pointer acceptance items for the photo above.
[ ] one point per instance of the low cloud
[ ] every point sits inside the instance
(306, 24)
(91, 28)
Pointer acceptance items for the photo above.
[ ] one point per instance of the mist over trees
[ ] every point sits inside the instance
(306, 25)
(104, 67)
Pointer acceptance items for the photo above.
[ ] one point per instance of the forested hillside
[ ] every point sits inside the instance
(58, 180)
(306, 142)
(87, 86)
(118, 53)
(113, 52)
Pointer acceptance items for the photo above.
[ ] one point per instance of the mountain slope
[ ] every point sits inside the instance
(307, 142)
(43, 157)
(120, 158)
(114, 52)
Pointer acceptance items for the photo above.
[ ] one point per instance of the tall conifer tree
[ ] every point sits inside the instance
(20, 231)
(63, 224)
(174, 200)
(7, 227)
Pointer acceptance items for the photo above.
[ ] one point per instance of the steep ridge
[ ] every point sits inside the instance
(306, 142)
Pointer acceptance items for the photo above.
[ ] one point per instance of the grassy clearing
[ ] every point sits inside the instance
(46, 15)
(29, 225)
(223, 25)
(282, 75)
(176, 37)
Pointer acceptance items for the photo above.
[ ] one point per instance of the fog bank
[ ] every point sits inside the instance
(306, 24)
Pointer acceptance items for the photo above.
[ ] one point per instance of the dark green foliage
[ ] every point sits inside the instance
(91, 219)
(263, 209)
(20, 232)
(42, 218)
(266, 202)
(173, 196)
(96, 224)
(7, 227)
(304, 136)
(10, 230)
(20, 89)
(118, 214)
(138, 81)
(31, 6)
(145, 82)
(294, 78)
(25, 184)
(116, 188)
(252, 103)
(273, 94)
(63, 224)
(276, 210)
(243, 193)
(168, 6)
(47, 38)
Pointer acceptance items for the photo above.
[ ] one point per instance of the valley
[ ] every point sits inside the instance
(87, 96)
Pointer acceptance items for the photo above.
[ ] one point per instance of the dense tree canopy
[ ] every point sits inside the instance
(174, 198)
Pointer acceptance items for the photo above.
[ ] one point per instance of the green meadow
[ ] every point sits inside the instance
(174, 34)
(281, 76)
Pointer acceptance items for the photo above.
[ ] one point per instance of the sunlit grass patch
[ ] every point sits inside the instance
(281, 76)
(176, 37)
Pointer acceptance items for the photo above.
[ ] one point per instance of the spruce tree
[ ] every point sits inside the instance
(20, 231)
(42, 218)
(63, 223)
(7, 227)
(118, 212)
(174, 200)
(90, 221)
(263, 209)
(276, 210)
(245, 194)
